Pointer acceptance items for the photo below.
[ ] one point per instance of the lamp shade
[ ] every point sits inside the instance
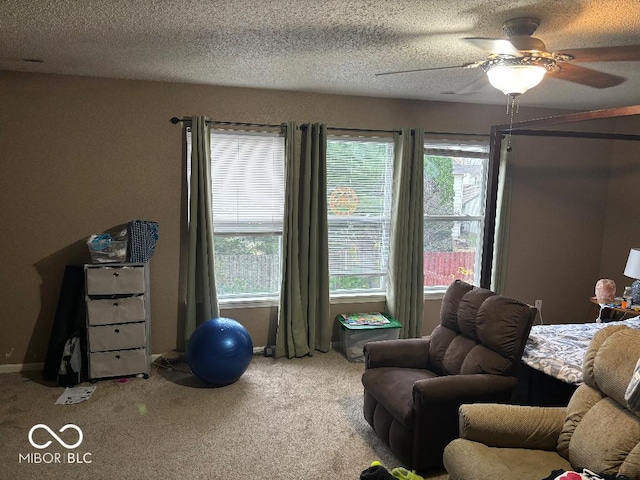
(515, 79)
(632, 270)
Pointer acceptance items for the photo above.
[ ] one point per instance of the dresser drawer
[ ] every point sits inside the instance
(117, 337)
(117, 310)
(113, 364)
(115, 280)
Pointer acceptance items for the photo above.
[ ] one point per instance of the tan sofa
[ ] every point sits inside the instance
(597, 430)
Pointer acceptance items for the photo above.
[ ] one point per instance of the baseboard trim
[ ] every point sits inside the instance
(21, 367)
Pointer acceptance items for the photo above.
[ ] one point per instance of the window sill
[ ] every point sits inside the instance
(337, 299)
(434, 293)
(248, 302)
(357, 298)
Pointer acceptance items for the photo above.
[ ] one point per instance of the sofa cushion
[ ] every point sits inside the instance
(393, 387)
(480, 332)
(581, 401)
(470, 303)
(481, 359)
(503, 326)
(468, 460)
(456, 353)
(450, 302)
(441, 338)
(610, 367)
(606, 420)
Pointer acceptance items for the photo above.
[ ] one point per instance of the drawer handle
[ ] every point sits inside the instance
(115, 304)
(116, 274)
(117, 357)
(117, 330)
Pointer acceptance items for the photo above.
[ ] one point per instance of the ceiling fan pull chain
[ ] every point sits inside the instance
(513, 104)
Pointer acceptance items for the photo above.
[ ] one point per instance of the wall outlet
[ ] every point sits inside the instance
(538, 305)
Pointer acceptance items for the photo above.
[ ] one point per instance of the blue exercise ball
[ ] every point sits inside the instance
(219, 351)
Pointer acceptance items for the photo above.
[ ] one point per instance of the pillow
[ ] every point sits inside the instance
(632, 395)
(585, 475)
(581, 474)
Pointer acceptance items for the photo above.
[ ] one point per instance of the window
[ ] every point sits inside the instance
(359, 179)
(247, 183)
(455, 182)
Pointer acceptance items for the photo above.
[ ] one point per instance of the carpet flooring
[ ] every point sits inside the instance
(283, 419)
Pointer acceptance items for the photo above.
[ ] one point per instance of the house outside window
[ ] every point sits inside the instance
(359, 180)
(455, 183)
(247, 184)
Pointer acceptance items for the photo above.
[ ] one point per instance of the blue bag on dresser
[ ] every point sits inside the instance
(143, 235)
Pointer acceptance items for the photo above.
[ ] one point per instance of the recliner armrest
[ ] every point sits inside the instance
(512, 426)
(464, 388)
(404, 353)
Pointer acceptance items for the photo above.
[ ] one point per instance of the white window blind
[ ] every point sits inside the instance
(248, 182)
(359, 178)
(247, 190)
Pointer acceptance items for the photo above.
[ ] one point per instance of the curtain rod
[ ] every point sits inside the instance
(176, 120)
(349, 129)
(458, 133)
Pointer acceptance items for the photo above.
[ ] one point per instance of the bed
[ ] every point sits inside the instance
(552, 361)
(558, 350)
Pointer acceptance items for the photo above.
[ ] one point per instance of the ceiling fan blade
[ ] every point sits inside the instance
(625, 53)
(477, 85)
(466, 65)
(586, 76)
(494, 45)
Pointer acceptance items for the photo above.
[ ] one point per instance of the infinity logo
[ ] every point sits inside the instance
(65, 445)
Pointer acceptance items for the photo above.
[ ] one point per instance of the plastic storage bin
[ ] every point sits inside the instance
(354, 334)
(104, 249)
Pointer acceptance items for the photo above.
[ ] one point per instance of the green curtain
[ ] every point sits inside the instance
(501, 235)
(202, 300)
(303, 316)
(405, 289)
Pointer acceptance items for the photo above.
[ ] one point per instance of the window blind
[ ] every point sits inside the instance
(460, 149)
(247, 171)
(359, 178)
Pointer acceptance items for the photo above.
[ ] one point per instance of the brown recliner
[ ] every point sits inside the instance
(414, 387)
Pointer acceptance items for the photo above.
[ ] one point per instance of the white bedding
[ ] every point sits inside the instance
(558, 350)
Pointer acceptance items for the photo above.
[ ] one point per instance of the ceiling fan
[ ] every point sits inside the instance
(520, 62)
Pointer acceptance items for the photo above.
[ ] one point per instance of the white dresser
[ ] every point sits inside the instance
(117, 298)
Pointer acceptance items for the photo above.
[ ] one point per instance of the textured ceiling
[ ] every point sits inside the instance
(314, 46)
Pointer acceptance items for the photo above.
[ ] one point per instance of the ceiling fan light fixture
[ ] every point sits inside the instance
(515, 79)
(516, 75)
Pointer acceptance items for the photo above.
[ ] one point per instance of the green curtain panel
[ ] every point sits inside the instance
(501, 243)
(303, 316)
(405, 289)
(202, 299)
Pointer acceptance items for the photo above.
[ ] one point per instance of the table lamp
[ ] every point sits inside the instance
(632, 270)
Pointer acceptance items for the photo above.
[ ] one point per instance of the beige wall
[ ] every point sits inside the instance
(558, 210)
(622, 229)
(81, 155)
(570, 224)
